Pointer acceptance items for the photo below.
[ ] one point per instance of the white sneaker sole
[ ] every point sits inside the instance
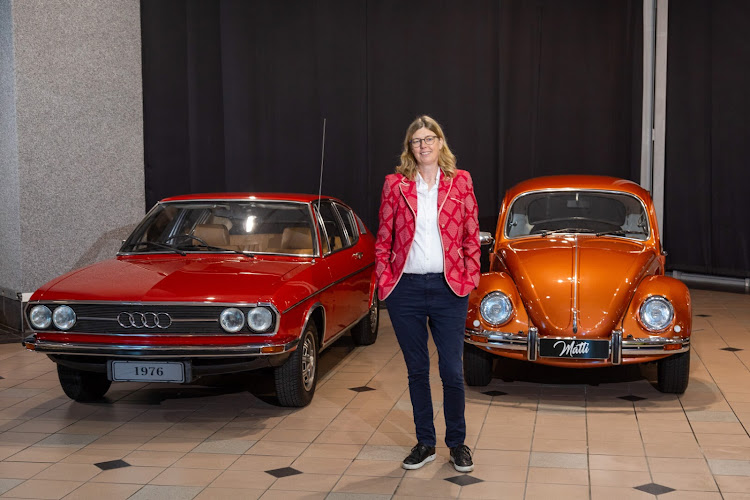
(467, 468)
(420, 464)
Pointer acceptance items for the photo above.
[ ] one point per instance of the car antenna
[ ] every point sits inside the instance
(322, 156)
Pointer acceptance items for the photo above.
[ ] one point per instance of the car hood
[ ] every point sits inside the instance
(608, 270)
(184, 279)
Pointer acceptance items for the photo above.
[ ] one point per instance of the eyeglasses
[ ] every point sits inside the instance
(430, 140)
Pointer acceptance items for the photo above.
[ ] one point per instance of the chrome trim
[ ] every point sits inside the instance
(533, 344)
(615, 347)
(144, 352)
(647, 346)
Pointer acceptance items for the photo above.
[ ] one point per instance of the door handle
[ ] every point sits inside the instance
(358, 255)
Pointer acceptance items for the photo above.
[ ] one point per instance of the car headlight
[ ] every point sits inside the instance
(232, 320)
(259, 319)
(64, 318)
(656, 313)
(40, 317)
(496, 308)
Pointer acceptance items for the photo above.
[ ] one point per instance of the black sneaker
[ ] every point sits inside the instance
(461, 458)
(419, 456)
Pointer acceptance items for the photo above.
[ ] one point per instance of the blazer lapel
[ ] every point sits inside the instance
(409, 192)
(443, 189)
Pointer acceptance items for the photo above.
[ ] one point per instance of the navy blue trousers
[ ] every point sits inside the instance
(419, 300)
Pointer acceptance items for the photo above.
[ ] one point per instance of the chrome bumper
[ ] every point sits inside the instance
(618, 346)
(160, 351)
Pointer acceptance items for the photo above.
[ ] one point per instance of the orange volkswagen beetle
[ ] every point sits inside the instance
(577, 280)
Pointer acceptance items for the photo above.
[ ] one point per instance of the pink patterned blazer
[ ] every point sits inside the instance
(459, 231)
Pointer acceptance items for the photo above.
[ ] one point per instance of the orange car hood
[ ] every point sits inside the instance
(608, 270)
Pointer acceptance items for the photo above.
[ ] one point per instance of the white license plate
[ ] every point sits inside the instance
(147, 371)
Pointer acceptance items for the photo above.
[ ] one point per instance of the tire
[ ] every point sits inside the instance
(477, 365)
(673, 373)
(366, 331)
(82, 386)
(297, 378)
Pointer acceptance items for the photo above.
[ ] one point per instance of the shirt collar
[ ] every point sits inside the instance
(422, 184)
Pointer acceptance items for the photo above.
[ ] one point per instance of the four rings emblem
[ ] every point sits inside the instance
(144, 320)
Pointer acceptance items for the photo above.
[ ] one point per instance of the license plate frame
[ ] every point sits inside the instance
(148, 371)
(569, 348)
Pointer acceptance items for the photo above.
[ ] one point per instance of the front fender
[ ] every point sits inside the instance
(500, 282)
(673, 290)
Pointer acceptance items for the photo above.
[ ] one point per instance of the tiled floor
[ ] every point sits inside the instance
(536, 433)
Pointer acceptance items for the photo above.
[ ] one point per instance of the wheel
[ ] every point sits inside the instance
(82, 386)
(366, 331)
(673, 373)
(477, 365)
(297, 377)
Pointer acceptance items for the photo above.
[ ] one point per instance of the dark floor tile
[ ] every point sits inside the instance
(654, 489)
(463, 480)
(112, 464)
(632, 398)
(283, 472)
(363, 388)
(495, 393)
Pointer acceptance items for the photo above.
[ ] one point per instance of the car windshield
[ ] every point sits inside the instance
(247, 227)
(577, 211)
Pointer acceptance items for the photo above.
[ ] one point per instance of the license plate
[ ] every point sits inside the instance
(147, 371)
(574, 348)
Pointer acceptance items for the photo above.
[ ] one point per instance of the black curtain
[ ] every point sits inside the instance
(706, 227)
(235, 92)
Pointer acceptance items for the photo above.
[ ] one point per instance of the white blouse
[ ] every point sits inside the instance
(426, 254)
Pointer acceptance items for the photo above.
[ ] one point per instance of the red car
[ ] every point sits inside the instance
(210, 284)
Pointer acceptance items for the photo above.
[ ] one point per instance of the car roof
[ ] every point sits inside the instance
(304, 198)
(597, 182)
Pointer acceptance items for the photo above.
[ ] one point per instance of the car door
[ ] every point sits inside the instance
(347, 296)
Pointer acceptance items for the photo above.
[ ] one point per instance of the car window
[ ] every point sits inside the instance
(350, 224)
(577, 211)
(274, 227)
(333, 229)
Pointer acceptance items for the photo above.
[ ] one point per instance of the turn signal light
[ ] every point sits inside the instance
(270, 349)
(672, 347)
(478, 338)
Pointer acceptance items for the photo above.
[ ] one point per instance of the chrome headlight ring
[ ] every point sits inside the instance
(40, 317)
(496, 308)
(232, 320)
(656, 313)
(259, 319)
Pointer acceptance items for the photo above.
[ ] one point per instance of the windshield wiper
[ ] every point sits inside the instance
(220, 249)
(156, 244)
(618, 232)
(566, 230)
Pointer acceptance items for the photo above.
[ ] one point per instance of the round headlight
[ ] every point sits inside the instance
(232, 320)
(496, 308)
(40, 317)
(259, 319)
(64, 318)
(656, 313)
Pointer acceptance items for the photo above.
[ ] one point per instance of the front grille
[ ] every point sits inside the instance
(148, 319)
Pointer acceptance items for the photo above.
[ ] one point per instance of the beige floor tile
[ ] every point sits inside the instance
(277, 448)
(690, 481)
(21, 470)
(558, 446)
(426, 488)
(343, 437)
(611, 492)
(260, 462)
(552, 475)
(631, 449)
(291, 435)
(293, 495)
(614, 462)
(311, 483)
(130, 475)
(42, 454)
(42, 489)
(556, 491)
(322, 450)
(174, 444)
(377, 468)
(243, 479)
(213, 493)
(314, 465)
(619, 478)
(175, 476)
(108, 491)
(501, 457)
(678, 465)
(733, 484)
(94, 455)
(367, 485)
(143, 458)
(69, 472)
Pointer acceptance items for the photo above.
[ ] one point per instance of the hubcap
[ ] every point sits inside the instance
(308, 363)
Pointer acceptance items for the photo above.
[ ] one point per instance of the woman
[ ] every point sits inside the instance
(427, 253)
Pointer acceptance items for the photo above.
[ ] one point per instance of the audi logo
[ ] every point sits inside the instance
(144, 320)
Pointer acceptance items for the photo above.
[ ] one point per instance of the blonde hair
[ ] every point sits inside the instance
(446, 159)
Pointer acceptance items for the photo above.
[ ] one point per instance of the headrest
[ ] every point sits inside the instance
(215, 235)
(296, 237)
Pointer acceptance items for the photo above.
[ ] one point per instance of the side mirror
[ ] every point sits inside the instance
(485, 238)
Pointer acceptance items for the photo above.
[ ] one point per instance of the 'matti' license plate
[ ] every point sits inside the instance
(574, 348)
(147, 371)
